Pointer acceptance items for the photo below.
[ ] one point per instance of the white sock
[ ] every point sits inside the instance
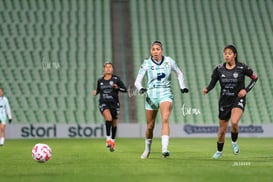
(234, 142)
(165, 142)
(2, 141)
(148, 144)
(108, 138)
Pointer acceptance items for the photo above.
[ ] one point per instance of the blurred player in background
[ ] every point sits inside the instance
(231, 76)
(158, 69)
(109, 86)
(5, 115)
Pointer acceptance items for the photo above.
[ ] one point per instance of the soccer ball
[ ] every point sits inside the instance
(41, 152)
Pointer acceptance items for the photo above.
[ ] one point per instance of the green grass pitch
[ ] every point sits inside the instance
(89, 160)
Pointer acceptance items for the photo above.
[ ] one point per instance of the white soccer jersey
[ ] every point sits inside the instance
(5, 112)
(159, 76)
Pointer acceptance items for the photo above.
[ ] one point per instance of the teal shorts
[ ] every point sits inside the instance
(3, 120)
(153, 103)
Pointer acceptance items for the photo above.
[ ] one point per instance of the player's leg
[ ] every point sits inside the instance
(236, 114)
(113, 135)
(108, 124)
(150, 117)
(2, 133)
(165, 111)
(223, 125)
(114, 113)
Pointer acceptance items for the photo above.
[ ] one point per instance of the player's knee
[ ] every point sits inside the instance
(150, 126)
(222, 131)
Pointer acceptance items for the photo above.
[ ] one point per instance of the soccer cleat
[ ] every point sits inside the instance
(166, 154)
(217, 155)
(112, 146)
(108, 143)
(236, 149)
(145, 155)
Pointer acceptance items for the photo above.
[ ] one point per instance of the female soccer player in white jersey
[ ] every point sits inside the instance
(5, 115)
(158, 69)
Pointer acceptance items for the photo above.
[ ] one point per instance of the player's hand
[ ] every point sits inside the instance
(142, 90)
(10, 120)
(94, 92)
(184, 90)
(242, 93)
(205, 91)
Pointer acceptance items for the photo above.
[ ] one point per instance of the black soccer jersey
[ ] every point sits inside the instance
(106, 90)
(232, 80)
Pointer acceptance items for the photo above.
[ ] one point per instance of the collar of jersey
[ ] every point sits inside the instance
(163, 58)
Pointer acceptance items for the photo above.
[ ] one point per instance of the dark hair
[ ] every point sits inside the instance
(108, 62)
(233, 49)
(157, 43)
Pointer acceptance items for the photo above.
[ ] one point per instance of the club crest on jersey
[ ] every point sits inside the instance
(235, 75)
(111, 82)
(152, 67)
(167, 64)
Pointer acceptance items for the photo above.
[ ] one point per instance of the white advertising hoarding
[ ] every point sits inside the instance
(17, 131)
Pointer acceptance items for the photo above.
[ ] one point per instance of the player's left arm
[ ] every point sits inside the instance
(180, 78)
(8, 110)
(121, 86)
(252, 75)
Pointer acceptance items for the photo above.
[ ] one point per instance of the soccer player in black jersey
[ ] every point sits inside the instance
(109, 86)
(231, 76)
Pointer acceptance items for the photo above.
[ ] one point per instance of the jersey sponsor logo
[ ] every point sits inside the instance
(157, 68)
(160, 76)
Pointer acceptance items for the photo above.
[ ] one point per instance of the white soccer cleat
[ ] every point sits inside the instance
(217, 155)
(235, 148)
(145, 155)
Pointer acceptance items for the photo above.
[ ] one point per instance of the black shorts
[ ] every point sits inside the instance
(225, 108)
(112, 106)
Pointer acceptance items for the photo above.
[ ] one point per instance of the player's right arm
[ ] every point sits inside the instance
(97, 91)
(8, 110)
(140, 76)
(213, 81)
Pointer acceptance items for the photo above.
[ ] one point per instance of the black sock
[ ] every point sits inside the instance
(234, 136)
(220, 146)
(108, 125)
(114, 131)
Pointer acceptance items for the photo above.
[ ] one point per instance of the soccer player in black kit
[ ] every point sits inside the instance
(109, 87)
(231, 76)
